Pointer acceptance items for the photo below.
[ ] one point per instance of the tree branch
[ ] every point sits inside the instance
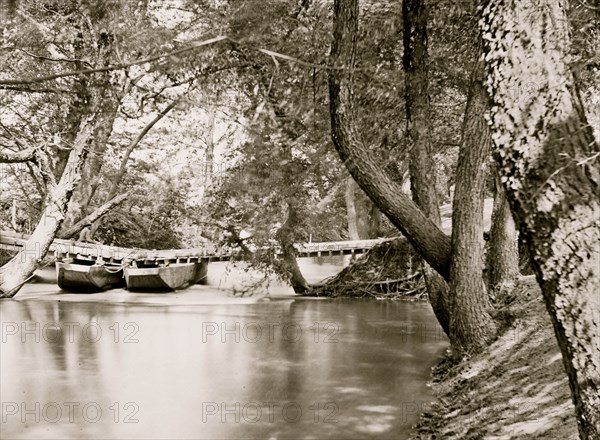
(90, 218)
(63, 60)
(40, 79)
(131, 147)
(27, 155)
(274, 55)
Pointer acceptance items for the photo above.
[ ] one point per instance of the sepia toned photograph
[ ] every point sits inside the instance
(300, 219)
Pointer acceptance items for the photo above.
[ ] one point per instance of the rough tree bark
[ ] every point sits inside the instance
(16, 272)
(387, 194)
(471, 326)
(549, 165)
(418, 129)
(503, 252)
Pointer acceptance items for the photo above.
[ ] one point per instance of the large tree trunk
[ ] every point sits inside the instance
(422, 232)
(20, 268)
(471, 326)
(102, 48)
(90, 174)
(418, 129)
(549, 163)
(79, 106)
(503, 253)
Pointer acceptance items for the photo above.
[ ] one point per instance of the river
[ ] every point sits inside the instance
(201, 364)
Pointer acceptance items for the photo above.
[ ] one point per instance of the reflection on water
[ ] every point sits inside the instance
(285, 368)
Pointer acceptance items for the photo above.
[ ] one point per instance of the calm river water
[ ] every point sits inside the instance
(201, 364)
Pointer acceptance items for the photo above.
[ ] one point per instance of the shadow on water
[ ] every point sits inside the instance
(284, 368)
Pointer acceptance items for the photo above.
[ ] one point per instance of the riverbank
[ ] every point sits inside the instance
(516, 389)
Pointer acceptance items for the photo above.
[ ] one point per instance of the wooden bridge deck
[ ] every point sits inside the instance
(63, 249)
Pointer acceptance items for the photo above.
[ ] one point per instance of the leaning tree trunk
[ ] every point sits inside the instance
(81, 96)
(20, 268)
(425, 236)
(288, 265)
(471, 326)
(90, 173)
(549, 162)
(503, 252)
(103, 127)
(418, 129)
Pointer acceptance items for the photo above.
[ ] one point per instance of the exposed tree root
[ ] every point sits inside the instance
(390, 270)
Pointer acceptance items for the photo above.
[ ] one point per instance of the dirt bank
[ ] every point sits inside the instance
(516, 389)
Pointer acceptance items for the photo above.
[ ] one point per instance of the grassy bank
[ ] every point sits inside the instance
(516, 389)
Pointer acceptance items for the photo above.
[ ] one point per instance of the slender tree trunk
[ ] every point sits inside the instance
(21, 267)
(375, 226)
(418, 129)
(351, 214)
(112, 102)
(424, 235)
(13, 215)
(289, 263)
(209, 157)
(503, 253)
(549, 162)
(418, 108)
(471, 326)
(362, 214)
